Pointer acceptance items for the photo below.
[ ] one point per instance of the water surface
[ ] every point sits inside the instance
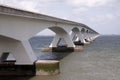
(98, 61)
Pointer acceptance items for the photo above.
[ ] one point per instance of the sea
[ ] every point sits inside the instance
(99, 60)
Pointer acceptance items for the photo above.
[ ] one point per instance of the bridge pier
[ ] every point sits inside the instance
(92, 37)
(86, 38)
(77, 37)
(21, 50)
(23, 62)
(68, 46)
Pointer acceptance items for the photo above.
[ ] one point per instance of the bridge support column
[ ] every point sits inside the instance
(68, 46)
(80, 35)
(22, 53)
(65, 47)
(79, 38)
(21, 50)
(92, 37)
(86, 38)
(89, 37)
(57, 38)
(29, 51)
(55, 41)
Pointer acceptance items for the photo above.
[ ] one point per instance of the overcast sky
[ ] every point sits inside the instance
(101, 15)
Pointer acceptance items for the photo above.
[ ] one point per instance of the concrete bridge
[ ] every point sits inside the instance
(18, 26)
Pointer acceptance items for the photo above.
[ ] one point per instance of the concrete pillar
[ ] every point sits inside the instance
(66, 37)
(89, 37)
(85, 38)
(72, 35)
(69, 47)
(29, 50)
(55, 41)
(68, 40)
(21, 50)
(81, 37)
(23, 53)
(47, 67)
(92, 37)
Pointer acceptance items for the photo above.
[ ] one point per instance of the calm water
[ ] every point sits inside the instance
(99, 61)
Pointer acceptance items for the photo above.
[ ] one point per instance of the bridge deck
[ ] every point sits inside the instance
(25, 13)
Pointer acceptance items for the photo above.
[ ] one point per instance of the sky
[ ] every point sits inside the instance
(100, 15)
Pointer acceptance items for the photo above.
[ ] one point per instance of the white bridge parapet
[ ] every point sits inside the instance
(18, 26)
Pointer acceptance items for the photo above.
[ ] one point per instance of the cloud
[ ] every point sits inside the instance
(95, 11)
(28, 5)
(80, 10)
(102, 18)
(94, 7)
(33, 5)
(23, 4)
(90, 3)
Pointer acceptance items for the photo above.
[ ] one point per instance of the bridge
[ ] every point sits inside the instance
(18, 26)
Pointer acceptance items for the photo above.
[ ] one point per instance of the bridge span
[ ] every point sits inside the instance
(18, 26)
